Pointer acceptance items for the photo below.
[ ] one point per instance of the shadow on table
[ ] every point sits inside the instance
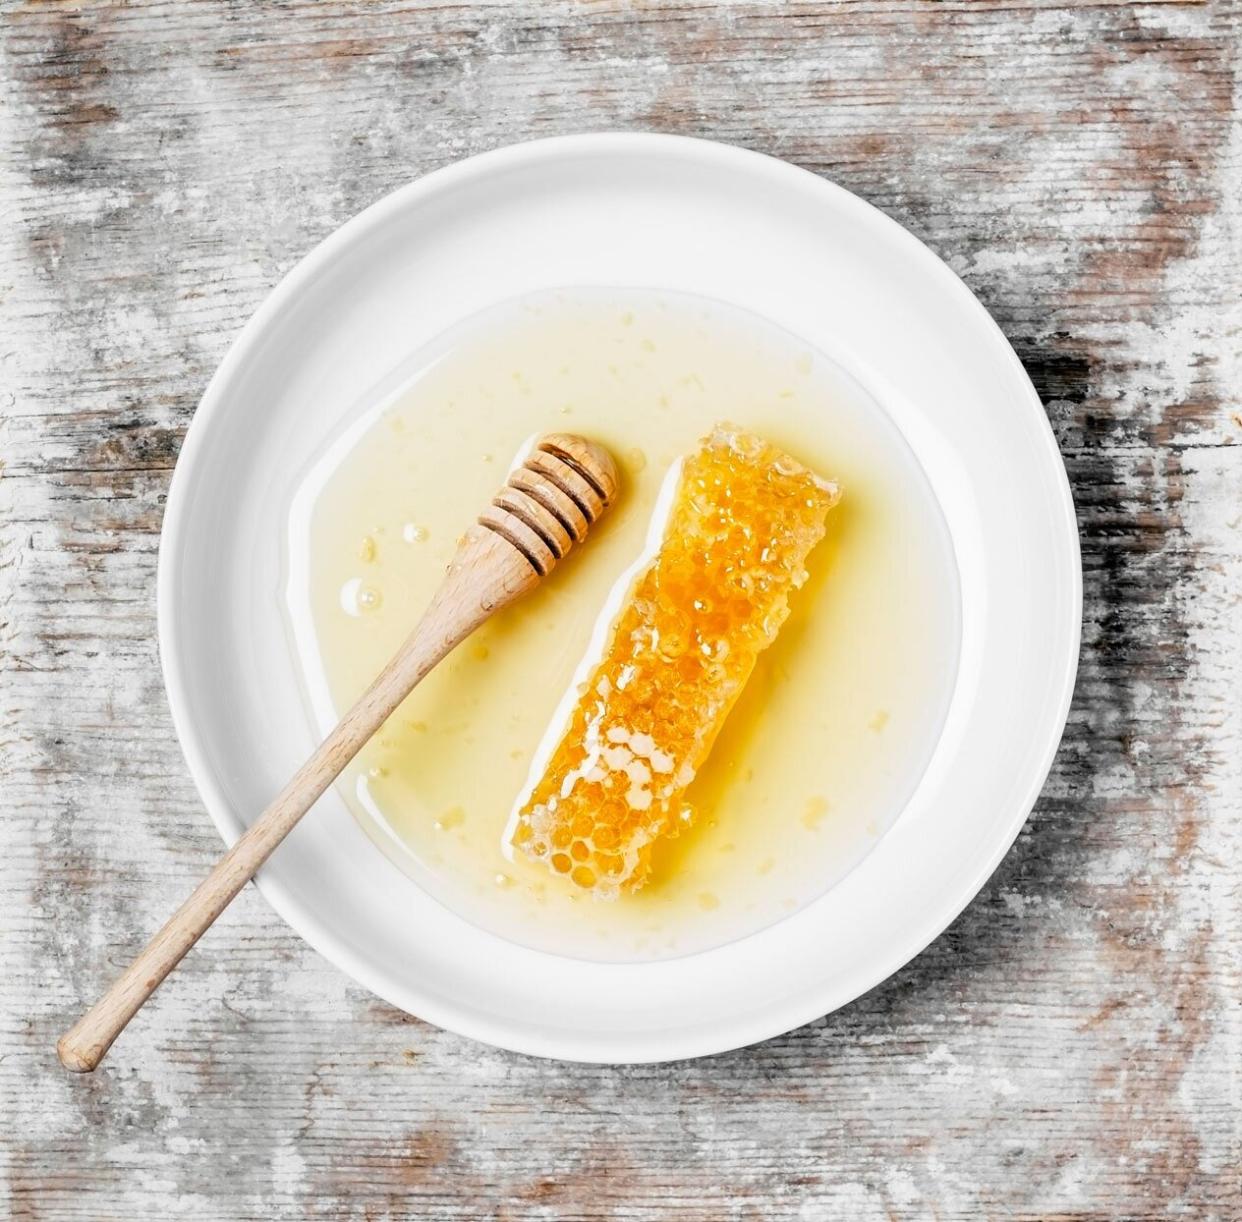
(1133, 563)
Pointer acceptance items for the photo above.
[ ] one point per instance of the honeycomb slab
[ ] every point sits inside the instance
(742, 520)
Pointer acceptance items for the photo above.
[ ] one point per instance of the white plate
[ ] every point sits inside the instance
(653, 212)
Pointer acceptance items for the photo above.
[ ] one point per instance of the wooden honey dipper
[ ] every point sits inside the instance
(548, 504)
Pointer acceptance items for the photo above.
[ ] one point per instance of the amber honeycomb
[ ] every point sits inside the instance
(743, 519)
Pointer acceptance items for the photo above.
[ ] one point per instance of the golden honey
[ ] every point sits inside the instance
(742, 521)
(824, 742)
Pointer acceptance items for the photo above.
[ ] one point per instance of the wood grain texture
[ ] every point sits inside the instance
(1068, 1049)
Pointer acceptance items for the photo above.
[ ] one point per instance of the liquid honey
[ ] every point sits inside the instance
(837, 721)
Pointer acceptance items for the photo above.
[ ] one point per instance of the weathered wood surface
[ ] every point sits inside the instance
(1069, 1049)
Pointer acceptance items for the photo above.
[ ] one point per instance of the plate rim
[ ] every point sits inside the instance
(742, 1030)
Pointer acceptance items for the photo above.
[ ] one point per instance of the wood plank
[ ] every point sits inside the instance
(1068, 1049)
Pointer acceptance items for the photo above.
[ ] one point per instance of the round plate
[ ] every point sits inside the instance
(656, 212)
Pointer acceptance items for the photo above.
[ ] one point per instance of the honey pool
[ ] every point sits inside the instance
(831, 734)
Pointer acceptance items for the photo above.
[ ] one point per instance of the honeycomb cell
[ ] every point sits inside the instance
(743, 519)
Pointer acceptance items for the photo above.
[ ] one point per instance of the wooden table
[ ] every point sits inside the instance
(1070, 1048)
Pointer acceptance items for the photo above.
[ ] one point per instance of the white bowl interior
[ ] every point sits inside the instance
(662, 213)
